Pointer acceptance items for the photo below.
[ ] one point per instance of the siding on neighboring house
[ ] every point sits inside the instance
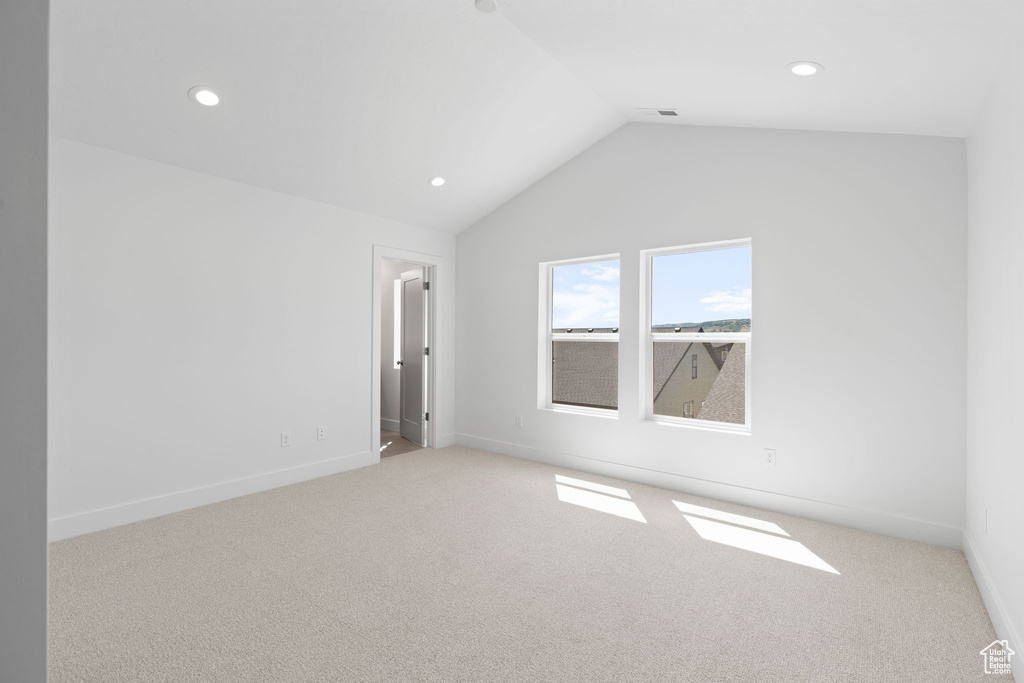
(667, 356)
(680, 388)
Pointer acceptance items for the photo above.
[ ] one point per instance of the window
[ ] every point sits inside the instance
(688, 409)
(698, 307)
(580, 335)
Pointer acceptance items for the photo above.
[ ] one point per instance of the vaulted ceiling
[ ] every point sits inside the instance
(359, 103)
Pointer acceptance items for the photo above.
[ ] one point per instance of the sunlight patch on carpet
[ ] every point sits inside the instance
(599, 502)
(600, 488)
(730, 517)
(757, 542)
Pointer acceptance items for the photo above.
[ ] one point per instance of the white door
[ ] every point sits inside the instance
(412, 402)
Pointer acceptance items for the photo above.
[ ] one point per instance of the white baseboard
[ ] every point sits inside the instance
(857, 518)
(445, 440)
(138, 510)
(997, 612)
(390, 425)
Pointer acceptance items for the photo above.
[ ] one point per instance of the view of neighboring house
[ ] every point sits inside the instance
(726, 402)
(703, 380)
(694, 368)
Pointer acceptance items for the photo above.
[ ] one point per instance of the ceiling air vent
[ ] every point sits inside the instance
(657, 111)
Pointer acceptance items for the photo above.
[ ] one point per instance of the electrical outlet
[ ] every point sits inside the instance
(519, 420)
(321, 433)
(770, 457)
(286, 439)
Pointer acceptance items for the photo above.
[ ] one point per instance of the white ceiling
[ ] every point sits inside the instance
(358, 103)
(918, 67)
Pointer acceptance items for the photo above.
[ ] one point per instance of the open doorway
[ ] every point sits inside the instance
(404, 326)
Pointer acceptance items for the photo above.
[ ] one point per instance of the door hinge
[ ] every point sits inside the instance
(426, 285)
(426, 417)
(426, 351)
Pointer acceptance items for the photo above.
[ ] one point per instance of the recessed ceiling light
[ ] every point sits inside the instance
(437, 181)
(203, 95)
(805, 68)
(486, 6)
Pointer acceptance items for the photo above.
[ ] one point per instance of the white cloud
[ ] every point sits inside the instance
(602, 273)
(726, 302)
(591, 305)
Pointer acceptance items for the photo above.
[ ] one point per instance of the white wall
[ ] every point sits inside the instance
(24, 36)
(390, 377)
(192, 320)
(858, 244)
(995, 316)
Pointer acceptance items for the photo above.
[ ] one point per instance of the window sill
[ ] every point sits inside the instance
(688, 423)
(606, 413)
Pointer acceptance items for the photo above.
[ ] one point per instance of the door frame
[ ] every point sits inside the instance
(433, 270)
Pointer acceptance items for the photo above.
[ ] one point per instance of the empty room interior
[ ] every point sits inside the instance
(511, 340)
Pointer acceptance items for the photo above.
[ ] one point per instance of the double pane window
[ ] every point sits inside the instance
(583, 334)
(700, 323)
(696, 321)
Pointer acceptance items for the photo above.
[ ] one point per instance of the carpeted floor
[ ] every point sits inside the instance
(392, 443)
(461, 565)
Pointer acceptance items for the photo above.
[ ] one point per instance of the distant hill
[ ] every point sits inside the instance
(732, 325)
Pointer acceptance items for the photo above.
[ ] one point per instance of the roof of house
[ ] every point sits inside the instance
(726, 402)
(581, 330)
(677, 328)
(715, 351)
(585, 373)
(666, 360)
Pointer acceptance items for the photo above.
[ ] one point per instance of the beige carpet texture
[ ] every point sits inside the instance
(462, 565)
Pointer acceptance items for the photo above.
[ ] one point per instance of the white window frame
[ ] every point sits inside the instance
(546, 337)
(648, 339)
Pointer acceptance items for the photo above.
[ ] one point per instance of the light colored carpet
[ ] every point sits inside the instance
(461, 565)
(392, 443)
